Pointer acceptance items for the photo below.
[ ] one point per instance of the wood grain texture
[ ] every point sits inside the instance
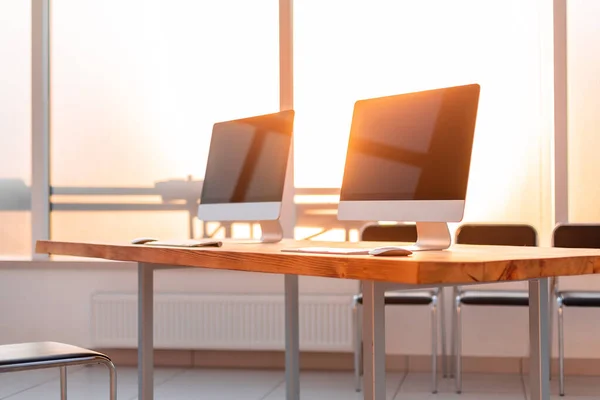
(462, 264)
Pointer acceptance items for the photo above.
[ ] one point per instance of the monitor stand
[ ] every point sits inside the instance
(271, 232)
(430, 236)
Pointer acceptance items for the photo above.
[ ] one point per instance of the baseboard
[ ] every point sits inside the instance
(573, 366)
(338, 361)
(234, 359)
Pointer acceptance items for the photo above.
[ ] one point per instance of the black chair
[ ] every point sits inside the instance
(487, 234)
(429, 297)
(573, 236)
(29, 356)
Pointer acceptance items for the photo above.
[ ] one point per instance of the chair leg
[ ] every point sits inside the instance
(551, 298)
(561, 354)
(63, 383)
(357, 346)
(361, 365)
(434, 343)
(113, 380)
(442, 322)
(458, 345)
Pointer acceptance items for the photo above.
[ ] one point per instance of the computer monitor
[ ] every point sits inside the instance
(408, 159)
(245, 171)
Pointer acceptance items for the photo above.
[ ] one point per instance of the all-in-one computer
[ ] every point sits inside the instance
(408, 160)
(244, 178)
(245, 172)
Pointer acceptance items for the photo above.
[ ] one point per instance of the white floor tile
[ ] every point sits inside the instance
(576, 388)
(15, 382)
(454, 396)
(417, 386)
(93, 383)
(333, 386)
(421, 383)
(204, 384)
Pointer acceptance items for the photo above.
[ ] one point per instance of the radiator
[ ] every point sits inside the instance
(223, 321)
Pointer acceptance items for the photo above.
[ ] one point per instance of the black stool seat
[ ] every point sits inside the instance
(580, 299)
(408, 297)
(27, 353)
(37, 355)
(495, 298)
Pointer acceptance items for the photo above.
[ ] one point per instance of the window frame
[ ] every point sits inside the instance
(555, 159)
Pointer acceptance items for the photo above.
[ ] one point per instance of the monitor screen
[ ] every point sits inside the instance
(247, 159)
(414, 146)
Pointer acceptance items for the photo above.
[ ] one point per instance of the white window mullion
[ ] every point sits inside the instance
(40, 123)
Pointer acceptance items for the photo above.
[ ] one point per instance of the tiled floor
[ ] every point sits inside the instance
(91, 383)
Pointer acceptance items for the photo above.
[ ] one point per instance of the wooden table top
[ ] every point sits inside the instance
(461, 264)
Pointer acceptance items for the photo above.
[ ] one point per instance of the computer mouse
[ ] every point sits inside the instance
(390, 251)
(143, 240)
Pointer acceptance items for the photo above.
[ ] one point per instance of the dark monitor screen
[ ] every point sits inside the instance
(414, 146)
(247, 160)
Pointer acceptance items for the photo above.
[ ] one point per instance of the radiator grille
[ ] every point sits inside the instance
(219, 321)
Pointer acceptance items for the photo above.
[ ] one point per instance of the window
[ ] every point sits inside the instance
(137, 86)
(584, 102)
(15, 127)
(355, 50)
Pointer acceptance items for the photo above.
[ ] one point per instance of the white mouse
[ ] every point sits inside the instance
(143, 240)
(390, 251)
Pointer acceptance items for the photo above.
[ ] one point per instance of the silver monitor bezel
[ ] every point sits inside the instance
(402, 210)
(264, 211)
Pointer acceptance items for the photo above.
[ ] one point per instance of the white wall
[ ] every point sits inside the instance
(43, 301)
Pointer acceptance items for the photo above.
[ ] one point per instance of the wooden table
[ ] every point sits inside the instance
(459, 266)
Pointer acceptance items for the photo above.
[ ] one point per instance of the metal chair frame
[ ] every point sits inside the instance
(560, 305)
(435, 303)
(456, 350)
(62, 364)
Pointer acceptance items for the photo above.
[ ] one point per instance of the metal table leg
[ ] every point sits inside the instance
(373, 341)
(453, 334)
(292, 339)
(63, 383)
(539, 360)
(145, 331)
(442, 307)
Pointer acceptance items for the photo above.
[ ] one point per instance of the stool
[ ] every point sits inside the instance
(37, 355)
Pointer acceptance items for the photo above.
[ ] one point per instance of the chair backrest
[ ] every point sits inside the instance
(389, 233)
(497, 234)
(577, 236)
